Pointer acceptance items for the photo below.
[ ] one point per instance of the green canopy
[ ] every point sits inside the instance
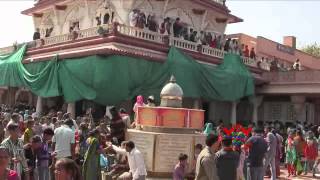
(112, 79)
(42, 80)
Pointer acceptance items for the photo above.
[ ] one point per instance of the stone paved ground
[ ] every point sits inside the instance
(283, 176)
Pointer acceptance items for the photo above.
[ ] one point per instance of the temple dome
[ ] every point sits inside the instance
(171, 94)
(172, 89)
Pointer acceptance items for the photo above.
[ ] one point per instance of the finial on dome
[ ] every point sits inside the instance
(172, 79)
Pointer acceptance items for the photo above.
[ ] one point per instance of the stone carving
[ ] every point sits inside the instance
(74, 16)
(46, 26)
(184, 15)
(145, 6)
(105, 13)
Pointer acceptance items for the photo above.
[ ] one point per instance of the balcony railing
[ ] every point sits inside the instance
(307, 76)
(212, 52)
(140, 34)
(183, 44)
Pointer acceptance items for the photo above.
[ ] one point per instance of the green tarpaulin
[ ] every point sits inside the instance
(112, 79)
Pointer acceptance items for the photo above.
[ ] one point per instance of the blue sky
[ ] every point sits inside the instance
(272, 19)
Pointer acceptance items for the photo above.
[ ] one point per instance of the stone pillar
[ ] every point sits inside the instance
(39, 105)
(72, 110)
(298, 104)
(197, 104)
(316, 111)
(256, 102)
(234, 112)
(1, 96)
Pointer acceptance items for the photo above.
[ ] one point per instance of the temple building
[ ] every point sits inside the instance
(105, 52)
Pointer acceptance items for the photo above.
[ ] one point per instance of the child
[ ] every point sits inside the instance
(291, 155)
(311, 153)
(28, 133)
(181, 168)
(43, 154)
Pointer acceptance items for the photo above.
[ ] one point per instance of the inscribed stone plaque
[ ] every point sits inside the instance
(145, 143)
(200, 139)
(168, 148)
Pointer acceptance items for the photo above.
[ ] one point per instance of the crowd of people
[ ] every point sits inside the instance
(56, 146)
(238, 153)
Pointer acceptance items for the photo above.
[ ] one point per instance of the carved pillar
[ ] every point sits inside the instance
(72, 110)
(256, 102)
(298, 105)
(234, 112)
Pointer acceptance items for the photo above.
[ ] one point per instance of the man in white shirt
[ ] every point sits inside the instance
(136, 162)
(64, 140)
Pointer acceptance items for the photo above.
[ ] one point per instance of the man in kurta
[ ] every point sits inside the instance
(206, 163)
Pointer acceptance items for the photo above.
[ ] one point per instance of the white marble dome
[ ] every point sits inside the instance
(171, 94)
(172, 89)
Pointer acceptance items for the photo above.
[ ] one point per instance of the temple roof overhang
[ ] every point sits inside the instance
(43, 5)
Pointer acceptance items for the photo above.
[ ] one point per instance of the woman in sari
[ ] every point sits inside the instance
(300, 144)
(291, 155)
(91, 164)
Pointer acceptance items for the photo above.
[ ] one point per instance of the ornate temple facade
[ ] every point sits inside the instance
(75, 29)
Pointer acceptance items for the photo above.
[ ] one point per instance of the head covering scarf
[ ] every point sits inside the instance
(139, 100)
(208, 129)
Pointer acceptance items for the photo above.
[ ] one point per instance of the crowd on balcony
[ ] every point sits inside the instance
(37, 34)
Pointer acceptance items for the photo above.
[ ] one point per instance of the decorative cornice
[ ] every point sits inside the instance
(41, 5)
(60, 7)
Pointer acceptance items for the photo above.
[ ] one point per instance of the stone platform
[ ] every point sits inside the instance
(161, 150)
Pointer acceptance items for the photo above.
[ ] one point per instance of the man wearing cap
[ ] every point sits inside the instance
(227, 160)
(64, 140)
(150, 102)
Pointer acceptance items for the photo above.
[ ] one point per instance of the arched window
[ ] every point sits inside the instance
(106, 18)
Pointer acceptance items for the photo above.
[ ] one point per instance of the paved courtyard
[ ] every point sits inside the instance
(283, 176)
